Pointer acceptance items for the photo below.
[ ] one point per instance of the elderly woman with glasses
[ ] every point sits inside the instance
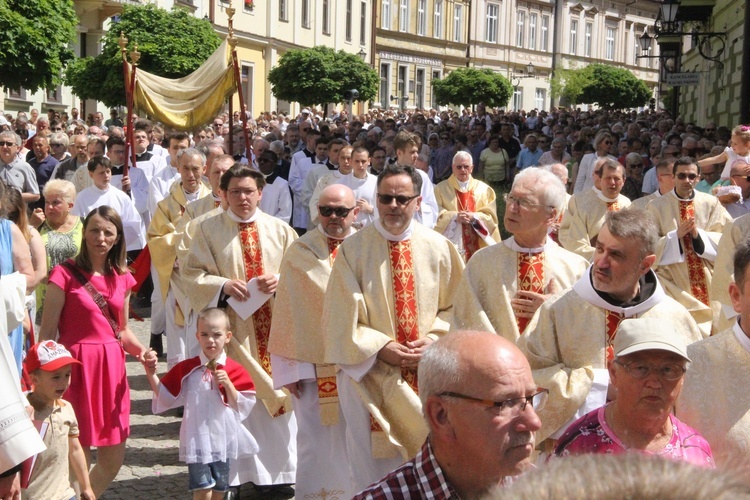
(602, 144)
(647, 374)
(58, 145)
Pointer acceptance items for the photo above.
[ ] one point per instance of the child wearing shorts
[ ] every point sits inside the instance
(217, 394)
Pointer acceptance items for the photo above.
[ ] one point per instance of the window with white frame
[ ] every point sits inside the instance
(401, 85)
(363, 22)
(403, 16)
(436, 75)
(540, 98)
(458, 14)
(587, 39)
(573, 41)
(437, 21)
(306, 14)
(326, 17)
(544, 44)
(385, 85)
(283, 11)
(517, 99)
(349, 20)
(493, 11)
(385, 14)
(520, 27)
(609, 48)
(532, 30)
(419, 89)
(421, 17)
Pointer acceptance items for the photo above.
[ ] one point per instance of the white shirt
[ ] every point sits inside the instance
(92, 197)
(277, 200)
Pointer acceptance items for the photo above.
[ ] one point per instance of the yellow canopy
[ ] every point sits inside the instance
(191, 101)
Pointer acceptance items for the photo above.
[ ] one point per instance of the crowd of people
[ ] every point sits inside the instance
(398, 304)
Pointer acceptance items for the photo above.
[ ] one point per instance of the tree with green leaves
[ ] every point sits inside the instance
(614, 88)
(467, 86)
(321, 75)
(568, 84)
(35, 42)
(172, 44)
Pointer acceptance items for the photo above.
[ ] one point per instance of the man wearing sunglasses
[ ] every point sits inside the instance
(690, 224)
(570, 340)
(480, 405)
(297, 350)
(648, 371)
(14, 171)
(390, 295)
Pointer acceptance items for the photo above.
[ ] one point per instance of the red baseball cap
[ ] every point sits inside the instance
(48, 356)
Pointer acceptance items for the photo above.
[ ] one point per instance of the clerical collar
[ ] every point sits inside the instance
(101, 191)
(351, 232)
(601, 196)
(117, 170)
(692, 196)
(463, 185)
(741, 336)
(191, 196)
(650, 294)
(511, 243)
(215, 197)
(394, 237)
(331, 166)
(236, 218)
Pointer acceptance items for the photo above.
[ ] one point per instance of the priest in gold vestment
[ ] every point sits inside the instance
(462, 201)
(690, 224)
(569, 342)
(713, 399)
(504, 285)
(586, 210)
(226, 252)
(162, 240)
(735, 232)
(389, 296)
(297, 350)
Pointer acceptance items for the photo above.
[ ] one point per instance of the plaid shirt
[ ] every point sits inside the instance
(420, 478)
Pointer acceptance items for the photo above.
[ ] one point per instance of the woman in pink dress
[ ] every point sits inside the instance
(98, 336)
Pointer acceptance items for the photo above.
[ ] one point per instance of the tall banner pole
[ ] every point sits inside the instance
(127, 79)
(130, 140)
(232, 41)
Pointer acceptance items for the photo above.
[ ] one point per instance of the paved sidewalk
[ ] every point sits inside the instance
(151, 469)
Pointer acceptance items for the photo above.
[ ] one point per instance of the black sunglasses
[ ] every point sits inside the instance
(387, 199)
(340, 212)
(682, 176)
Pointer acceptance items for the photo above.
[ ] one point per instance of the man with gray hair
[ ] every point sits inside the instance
(480, 402)
(15, 172)
(467, 214)
(503, 298)
(569, 342)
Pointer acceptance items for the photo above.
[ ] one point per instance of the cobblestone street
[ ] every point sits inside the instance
(152, 469)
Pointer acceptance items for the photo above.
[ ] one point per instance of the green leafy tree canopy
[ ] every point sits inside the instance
(467, 86)
(614, 88)
(172, 44)
(35, 42)
(568, 84)
(321, 75)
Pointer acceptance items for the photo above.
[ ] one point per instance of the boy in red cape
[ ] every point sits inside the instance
(217, 394)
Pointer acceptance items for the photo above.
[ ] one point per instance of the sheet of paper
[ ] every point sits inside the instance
(248, 307)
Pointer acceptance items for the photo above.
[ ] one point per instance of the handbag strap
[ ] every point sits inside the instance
(97, 297)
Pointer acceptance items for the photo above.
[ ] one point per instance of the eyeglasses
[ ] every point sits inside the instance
(608, 143)
(462, 167)
(747, 178)
(709, 129)
(7, 144)
(639, 370)
(509, 407)
(682, 176)
(521, 202)
(387, 199)
(378, 157)
(340, 212)
(236, 193)
(55, 145)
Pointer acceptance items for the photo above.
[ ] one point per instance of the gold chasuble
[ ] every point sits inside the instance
(495, 275)
(222, 249)
(295, 329)
(686, 275)
(584, 218)
(713, 400)
(479, 199)
(734, 232)
(567, 344)
(386, 288)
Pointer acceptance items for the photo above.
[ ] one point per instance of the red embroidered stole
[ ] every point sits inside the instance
(466, 203)
(613, 206)
(252, 256)
(328, 394)
(217, 203)
(612, 321)
(333, 249)
(698, 285)
(404, 294)
(530, 279)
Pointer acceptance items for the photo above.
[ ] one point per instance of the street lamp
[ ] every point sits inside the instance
(362, 54)
(530, 71)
